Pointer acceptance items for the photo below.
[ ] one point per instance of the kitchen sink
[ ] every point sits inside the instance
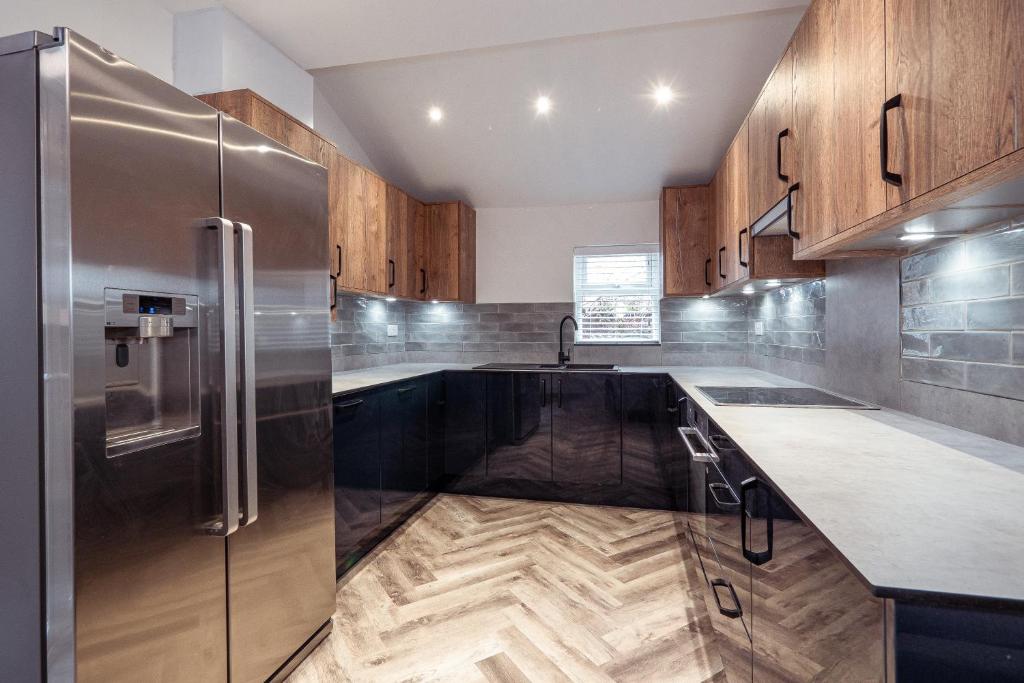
(568, 367)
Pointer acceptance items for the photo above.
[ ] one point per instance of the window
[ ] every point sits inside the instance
(616, 292)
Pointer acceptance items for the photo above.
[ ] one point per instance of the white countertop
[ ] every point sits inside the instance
(913, 506)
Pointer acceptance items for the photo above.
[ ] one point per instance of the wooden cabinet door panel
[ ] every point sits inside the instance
(400, 243)
(375, 198)
(771, 115)
(838, 84)
(684, 240)
(443, 252)
(957, 68)
(467, 254)
(739, 211)
(421, 247)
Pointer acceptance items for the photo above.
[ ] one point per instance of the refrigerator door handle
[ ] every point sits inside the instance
(247, 346)
(229, 388)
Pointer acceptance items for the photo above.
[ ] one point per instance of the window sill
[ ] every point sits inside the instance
(609, 343)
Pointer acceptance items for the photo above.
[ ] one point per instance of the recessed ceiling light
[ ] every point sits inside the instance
(435, 114)
(663, 95)
(542, 105)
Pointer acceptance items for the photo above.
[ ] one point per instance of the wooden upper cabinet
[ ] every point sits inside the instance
(401, 243)
(358, 211)
(839, 84)
(957, 68)
(418, 223)
(450, 252)
(686, 264)
(261, 114)
(731, 214)
(770, 147)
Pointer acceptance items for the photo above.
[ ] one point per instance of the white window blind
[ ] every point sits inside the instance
(617, 293)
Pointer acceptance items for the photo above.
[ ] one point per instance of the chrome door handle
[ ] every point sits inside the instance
(247, 309)
(686, 433)
(229, 389)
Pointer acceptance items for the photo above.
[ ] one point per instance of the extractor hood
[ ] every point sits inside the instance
(777, 220)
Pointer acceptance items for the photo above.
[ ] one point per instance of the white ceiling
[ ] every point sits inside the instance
(484, 61)
(323, 33)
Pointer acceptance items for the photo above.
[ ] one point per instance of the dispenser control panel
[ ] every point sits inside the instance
(124, 307)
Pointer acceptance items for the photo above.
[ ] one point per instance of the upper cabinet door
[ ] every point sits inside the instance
(443, 252)
(684, 240)
(770, 146)
(839, 84)
(737, 240)
(401, 238)
(956, 67)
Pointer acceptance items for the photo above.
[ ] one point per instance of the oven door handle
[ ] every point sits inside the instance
(706, 456)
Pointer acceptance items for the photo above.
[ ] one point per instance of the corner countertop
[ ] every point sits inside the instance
(916, 508)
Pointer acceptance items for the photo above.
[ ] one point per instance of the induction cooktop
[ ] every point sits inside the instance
(779, 397)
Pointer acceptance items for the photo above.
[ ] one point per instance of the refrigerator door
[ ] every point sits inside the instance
(140, 163)
(281, 563)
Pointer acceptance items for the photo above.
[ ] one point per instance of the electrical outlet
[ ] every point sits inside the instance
(759, 327)
(392, 330)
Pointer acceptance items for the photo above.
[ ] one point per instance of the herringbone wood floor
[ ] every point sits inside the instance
(487, 589)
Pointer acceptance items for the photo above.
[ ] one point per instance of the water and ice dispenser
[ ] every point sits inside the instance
(152, 369)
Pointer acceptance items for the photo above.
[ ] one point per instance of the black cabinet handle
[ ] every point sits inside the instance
(740, 247)
(559, 393)
(338, 246)
(345, 405)
(423, 289)
(784, 133)
(543, 392)
(391, 273)
(883, 140)
(763, 556)
(707, 271)
(789, 210)
(405, 390)
(721, 270)
(731, 612)
(334, 291)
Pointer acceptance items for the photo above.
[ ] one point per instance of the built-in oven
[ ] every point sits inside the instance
(716, 471)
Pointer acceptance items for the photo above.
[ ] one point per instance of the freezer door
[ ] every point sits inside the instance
(281, 564)
(129, 170)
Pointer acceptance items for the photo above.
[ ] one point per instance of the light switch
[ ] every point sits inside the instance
(758, 327)
(392, 330)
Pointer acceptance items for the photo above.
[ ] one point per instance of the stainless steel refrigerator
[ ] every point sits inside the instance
(166, 500)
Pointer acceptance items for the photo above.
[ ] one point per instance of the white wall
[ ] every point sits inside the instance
(525, 254)
(327, 122)
(140, 31)
(215, 50)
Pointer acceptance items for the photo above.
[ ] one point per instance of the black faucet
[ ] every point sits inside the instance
(563, 357)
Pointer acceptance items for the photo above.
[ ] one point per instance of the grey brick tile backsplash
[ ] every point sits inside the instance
(793, 322)
(962, 305)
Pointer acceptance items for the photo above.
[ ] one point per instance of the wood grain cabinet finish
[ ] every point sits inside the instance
(401, 243)
(358, 202)
(839, 86)
(957, 68)
(261, 114)
(449, 248)
(770, 145)
(686, 263)
(730, 215)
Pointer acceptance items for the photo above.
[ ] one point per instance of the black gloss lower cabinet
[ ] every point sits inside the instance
(465, 424)
(813, 618)
(404, 449)
(519, 426)
(586, 423)
(651, 451)
(357, 494)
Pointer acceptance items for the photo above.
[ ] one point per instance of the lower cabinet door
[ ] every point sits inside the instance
(435, 430)
(587, 428)
(648, 439)
(403, 449)
(465, 423)
(356, 475)
(519, 426)
(813, 619)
